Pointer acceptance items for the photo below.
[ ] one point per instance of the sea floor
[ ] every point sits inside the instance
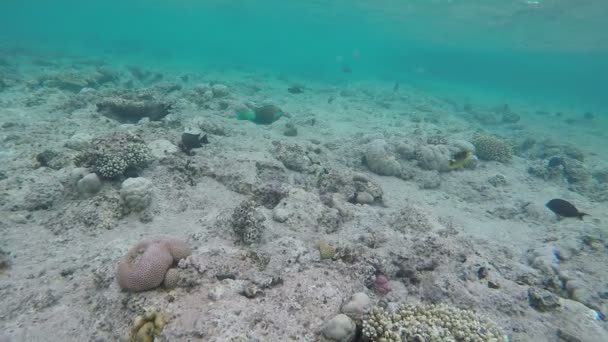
(348, 190)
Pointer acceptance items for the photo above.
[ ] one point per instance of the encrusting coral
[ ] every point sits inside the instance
(146, 264)
(428, 322)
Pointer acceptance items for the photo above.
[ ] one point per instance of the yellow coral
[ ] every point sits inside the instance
(428, 322)
(147, 326)
(327, 251)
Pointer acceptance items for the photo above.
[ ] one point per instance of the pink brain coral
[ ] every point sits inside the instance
(146, 264)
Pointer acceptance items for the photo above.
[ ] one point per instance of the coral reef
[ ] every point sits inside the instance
(428, 322)
(115, 155)
(4, 261)
(220, 90)
(411, 219)
(356, 187)
(89, 184)
(379, 159)
(433, 157)
(247, 222)
(95, 213)
(40, 196)
(146, 264)
(488, 147)
(136, 193)
(576, 171)
(357, 307)
(295, 156)
(131, 111)
(66, 80)
(147, 326)
(340, 328)
(326, 250)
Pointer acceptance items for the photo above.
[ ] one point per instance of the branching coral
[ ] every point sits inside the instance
(247, 222)
(489, 147)
(428, 322)
(114, 155)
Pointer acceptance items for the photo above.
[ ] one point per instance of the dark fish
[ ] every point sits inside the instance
(396, 87)
(191, 140)
(296, 90)
(346, 69)
(462, 155)
(563, 208)
(264, 115)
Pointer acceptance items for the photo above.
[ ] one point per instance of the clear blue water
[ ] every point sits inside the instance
(551, 52)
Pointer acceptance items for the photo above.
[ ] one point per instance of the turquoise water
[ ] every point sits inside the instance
(549, 52)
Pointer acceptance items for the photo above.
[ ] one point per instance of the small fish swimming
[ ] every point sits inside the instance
(396, 87)
(296, 89)
(190, 141)
(563, 208)
(264, 115)
(460, 160)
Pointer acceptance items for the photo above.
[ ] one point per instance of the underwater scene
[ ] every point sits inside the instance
(313, 170)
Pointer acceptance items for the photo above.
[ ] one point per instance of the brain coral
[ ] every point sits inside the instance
(146, 264)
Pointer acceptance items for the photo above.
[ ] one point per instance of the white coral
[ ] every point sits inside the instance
(136, 193)
(380, 160)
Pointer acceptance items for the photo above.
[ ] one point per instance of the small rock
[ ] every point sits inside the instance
(357, 306)
(78, 142)
(493, 285)
(161, 148)
(280, 215)
(542, 300)
(76, 175)
(18, 218)
(482, 272)
(566, 336)
(216, 293)
(220, 90)
(252, 291)
(364, 198)
(45, 157)
(136, 193)
(290, 130)
(339, 329)
(89, 184)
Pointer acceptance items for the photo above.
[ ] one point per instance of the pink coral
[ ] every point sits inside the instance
(382, 283)
(146, 264)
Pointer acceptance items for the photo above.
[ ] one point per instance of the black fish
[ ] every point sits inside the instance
(563, 208)
(296, 90)
(346, 69)
(192, 140)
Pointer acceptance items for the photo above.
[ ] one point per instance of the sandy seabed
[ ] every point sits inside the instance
(349, 192)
